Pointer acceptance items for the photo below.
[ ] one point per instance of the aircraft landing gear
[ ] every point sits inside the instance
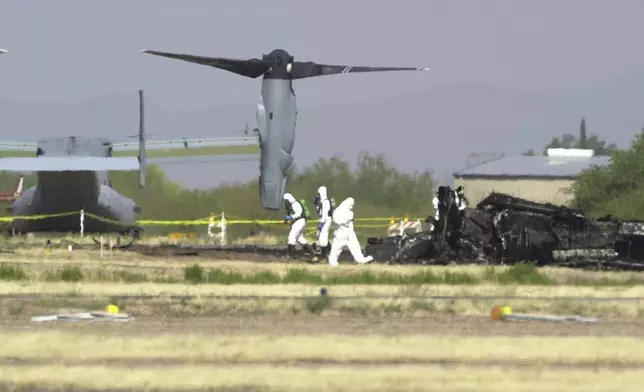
(134, 233)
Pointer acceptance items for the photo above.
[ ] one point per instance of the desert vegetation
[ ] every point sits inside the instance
(41, 265)
(195, 287)
(615, 189)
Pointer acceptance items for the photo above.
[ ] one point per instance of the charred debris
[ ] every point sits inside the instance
(504, 229)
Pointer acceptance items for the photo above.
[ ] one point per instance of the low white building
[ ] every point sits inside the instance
(537, 178)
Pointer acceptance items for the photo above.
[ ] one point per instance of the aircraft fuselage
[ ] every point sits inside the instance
(277, 138)
(60, 192)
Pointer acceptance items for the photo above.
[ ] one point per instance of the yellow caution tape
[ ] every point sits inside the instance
(36, 217)
(185, 222)
(179, 236)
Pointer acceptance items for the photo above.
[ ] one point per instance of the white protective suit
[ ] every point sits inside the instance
(436, 214)
(461, 202)
(298, 223)
(435, 204)
(325, 218)
(344, 235)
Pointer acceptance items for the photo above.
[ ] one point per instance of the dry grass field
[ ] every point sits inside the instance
(310, 353)
(380, 328)
(315, 378)
(37, 261)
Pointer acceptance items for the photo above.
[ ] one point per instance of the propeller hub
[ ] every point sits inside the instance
(282, 64)
(280, 56)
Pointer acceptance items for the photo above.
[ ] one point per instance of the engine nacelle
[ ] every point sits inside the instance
(275, 160)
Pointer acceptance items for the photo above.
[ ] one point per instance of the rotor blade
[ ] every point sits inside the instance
(251, 68)
(301, 70)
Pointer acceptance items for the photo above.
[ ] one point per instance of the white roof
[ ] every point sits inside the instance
(570, 152)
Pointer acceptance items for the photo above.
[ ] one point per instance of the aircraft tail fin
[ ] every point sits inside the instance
(142, 156)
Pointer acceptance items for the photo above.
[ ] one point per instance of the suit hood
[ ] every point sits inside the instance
(347, 203)
(343, 215)
(288, 197)
(322, 192)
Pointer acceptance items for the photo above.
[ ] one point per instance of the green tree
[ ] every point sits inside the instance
(583, 136)
(568, 140)
(593, 142)
(616, 189)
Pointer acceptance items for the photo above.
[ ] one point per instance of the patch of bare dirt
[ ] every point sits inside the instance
(257, 253)
(305, 324)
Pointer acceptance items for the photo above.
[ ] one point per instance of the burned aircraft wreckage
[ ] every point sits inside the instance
(504, 229)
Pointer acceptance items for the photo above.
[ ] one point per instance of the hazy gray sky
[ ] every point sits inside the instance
(73, 50)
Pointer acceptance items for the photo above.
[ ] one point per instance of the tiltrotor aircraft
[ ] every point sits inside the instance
(277, 129)
(73, 175)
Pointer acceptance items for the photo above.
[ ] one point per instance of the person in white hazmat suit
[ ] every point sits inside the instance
(462, 203)
(295, 216)
(344, 235)
(436, 214)
(461, 200)
(324, 208)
